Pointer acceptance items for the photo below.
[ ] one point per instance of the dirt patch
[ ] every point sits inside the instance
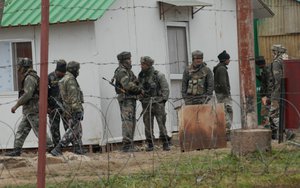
(93, 166)
(23, 170)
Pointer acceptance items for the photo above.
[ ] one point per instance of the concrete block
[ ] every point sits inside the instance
(244, 141)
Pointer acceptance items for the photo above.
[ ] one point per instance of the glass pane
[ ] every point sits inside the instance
(177, 45)
(6, 72)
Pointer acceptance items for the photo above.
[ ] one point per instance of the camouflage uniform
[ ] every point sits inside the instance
(264, 92)
(126, 81)
(156, 93)
(54, 110)
(274, 86)
(29, 99)
(72, 98)
(197, 83)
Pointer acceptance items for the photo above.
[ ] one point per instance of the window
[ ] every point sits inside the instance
(10, 52)
(177, 44)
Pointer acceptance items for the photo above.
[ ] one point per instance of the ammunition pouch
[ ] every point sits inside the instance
(196, 87)
(150, 89)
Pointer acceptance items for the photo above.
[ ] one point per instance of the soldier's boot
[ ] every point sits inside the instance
(15, 153)
(166, 140)
(57, 150)
(166, 146)
(228, 137)
(290, 135)
(274, 134)
(129, 148)
(79, 150)
(150, 147)
(274, 130)
(49, 148)
(125, 147)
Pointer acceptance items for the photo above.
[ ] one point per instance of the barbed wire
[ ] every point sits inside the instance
(52, 5)
(109, 9)
(116, 63)
(107, 166)
(170, 99)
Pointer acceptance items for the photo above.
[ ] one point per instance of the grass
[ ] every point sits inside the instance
(279, 168)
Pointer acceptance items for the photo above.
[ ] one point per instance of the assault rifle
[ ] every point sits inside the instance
(111, 83)
(58, 103)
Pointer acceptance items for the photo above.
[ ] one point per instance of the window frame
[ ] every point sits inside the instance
(186, 26)
(14, 73)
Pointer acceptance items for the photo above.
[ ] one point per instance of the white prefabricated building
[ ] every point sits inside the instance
(168, 31)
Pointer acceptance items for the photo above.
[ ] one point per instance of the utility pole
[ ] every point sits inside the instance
(43, 103)
(247, 63)
(249, 138)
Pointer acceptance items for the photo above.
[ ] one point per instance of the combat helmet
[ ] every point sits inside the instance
(25, 62)
(279, 48)
(147, 60)
(73, 66)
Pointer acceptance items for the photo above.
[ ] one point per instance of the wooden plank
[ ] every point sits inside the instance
(202, 127)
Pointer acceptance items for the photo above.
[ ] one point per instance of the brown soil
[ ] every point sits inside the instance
(92, 166)
(23, 170)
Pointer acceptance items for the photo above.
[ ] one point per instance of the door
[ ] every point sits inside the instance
(178, 59)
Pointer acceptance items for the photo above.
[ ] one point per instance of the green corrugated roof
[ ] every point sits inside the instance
(28, 12)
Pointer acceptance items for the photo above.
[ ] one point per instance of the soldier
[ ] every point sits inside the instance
(263, 92)
(274, 86)
(54, 100)
(72, 98)
(222, 88)
(197, 81)
(156, 94)
(28, 98)
(127, 88)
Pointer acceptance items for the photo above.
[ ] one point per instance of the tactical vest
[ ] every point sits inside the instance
(151, 86)
(118, 85)
(37, 89)
(196, 84)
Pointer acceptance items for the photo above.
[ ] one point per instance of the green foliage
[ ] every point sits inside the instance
(279, 168)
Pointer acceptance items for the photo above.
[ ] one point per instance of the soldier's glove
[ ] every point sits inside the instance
(77, 116)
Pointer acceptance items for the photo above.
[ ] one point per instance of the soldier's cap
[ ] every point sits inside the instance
(279, 48)
(123, 56)
(197, 54)
(25, 62)
(260, 60)
(61, 65)
(223, 56)
(147, 60)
